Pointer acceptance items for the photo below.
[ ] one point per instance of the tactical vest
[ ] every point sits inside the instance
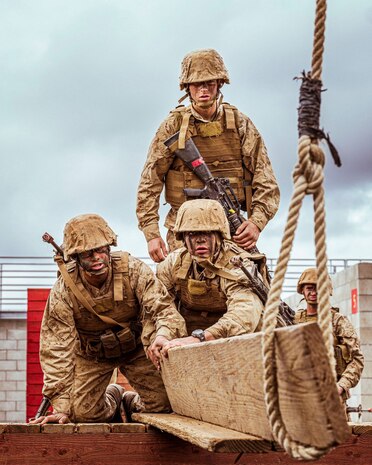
(219, 145)
(202, 296)
(99, 339)
(342, 355)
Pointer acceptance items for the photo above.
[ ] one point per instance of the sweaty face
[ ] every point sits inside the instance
(204, 93)
(310, 294)
(201, 244)
(95, 261)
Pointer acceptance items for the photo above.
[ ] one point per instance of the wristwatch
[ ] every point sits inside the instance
(199, 333)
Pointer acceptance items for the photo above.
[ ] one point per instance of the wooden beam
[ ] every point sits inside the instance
(205, 435)
(221, 382)
(148, 448)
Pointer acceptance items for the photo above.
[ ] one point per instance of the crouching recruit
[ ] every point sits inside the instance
(216, 299)
(92, 324)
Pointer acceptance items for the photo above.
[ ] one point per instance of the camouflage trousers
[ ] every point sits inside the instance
(89, 400)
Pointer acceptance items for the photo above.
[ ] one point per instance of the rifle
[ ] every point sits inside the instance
(214, 188)
(285, 311)
(50, 240)
(359, 410)
(43, 408)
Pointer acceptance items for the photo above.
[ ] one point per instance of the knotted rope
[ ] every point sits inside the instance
(308, 180)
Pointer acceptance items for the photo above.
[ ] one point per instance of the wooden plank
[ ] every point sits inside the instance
(221, 382)
(152, 448)
(205, 435)
(360, 428)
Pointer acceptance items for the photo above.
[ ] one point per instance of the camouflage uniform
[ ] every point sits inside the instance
(211, 294)
(79, 351)
(349, 358)
(231, 146)
(223, 306)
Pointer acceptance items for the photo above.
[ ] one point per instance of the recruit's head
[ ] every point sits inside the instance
(203, 73)
(307, 285)
(202, 225)
(88, 238)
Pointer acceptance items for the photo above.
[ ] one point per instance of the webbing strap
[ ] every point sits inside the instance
(183, 130)
(219, 271)
(80, 297)
(230, 118)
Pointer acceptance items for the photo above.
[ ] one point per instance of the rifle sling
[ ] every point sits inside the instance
(80, 297)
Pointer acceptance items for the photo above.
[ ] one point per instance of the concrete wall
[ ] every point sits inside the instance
(12, 370)
(359, 279)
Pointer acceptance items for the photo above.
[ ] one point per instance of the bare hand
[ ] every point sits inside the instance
(157, 249)
(179, 342)
(246, 235)
(60, 418)
(340, 390)
(154, 352)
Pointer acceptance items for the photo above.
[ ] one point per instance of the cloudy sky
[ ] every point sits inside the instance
(85, 84)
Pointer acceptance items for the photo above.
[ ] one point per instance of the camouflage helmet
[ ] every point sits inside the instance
(310, 276)
(202, 65)
(86, 232)
(201, 215)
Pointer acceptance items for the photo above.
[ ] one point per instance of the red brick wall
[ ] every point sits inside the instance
(36, 300)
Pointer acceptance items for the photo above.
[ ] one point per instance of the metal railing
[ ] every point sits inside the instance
(17, 274)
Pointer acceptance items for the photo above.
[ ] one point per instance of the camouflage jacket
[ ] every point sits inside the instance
(265, 199)
(349, 358)
(60, 339)
(241, 310)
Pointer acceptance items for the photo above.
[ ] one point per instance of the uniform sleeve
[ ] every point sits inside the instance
(265, 189)
(58, 339)
(347, 335)
(164, 271)
(159, 160)
(244, 310)
(158, 315)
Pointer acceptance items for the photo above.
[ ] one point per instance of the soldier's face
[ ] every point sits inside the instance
(310, 294)
(95, 261)
(203, 93)
(201, 244)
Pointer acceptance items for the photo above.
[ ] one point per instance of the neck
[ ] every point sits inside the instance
(312, 309)
(206, 113)
(95, 280)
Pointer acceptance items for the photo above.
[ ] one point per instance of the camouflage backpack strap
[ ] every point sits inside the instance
(230, 116)
(186, 115)
(122, 288)
(182, 265)
(82, 297)
(232, 122)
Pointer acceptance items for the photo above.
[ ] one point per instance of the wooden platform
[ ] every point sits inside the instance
(137, 444)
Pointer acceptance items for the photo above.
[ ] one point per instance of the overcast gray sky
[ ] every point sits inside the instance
(85, 84)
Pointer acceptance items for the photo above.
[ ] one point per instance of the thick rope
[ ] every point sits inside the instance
(308, 180)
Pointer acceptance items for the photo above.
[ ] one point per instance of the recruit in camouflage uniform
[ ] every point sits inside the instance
(215, 298)
(349, 358)
(230, 145)
(92, 325)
